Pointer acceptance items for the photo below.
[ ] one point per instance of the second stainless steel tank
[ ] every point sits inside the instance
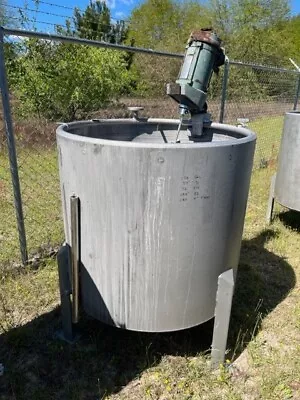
(287, 185)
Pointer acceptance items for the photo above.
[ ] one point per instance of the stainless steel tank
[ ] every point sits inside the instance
(287, 184)
(159, 221)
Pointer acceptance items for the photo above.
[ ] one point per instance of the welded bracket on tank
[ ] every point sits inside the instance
(222, 317)
(63, 261)
(269, 214)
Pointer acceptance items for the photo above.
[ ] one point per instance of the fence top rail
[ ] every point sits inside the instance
(96, 43)
(101, 44)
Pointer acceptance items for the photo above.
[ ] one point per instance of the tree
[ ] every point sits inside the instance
(166, 24)
(9, 20)
(251, 29)
(58, 81)
(162, 25)
(152, 23)
(7, 16)
(291, 39)
(95, 23)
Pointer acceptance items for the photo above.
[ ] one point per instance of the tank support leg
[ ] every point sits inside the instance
(269, 213)
(222, 317)
(63, 261)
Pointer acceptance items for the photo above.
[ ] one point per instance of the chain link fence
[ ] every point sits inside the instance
(260, 96)
(46, 90)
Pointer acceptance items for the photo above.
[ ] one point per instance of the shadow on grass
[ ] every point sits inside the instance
(105, 359)
(264, 280)
(290, 219)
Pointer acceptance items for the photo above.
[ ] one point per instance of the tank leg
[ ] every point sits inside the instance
(222, 317)
(63, 261)
(271, 200)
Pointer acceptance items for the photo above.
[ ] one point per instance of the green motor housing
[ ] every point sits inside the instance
(203, 56)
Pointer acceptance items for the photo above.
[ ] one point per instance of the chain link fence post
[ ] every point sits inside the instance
(7, 120)
(224, 89)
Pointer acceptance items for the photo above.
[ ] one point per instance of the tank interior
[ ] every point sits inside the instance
(149, 132)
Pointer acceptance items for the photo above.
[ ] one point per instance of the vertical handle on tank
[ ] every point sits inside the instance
(75, 255)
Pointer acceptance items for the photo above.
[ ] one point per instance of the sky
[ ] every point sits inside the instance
(51, 12)
(295, 6)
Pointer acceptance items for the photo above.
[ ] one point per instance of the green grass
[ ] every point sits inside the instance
(115, 364)
(268, 131)
(107, 363)
(41, 203)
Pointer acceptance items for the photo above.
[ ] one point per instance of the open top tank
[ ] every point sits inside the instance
(154, 211)
(285, 184)
(287, 187)
(159, 220)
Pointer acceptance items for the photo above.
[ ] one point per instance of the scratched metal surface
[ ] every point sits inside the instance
(159, 222)
(287, 185)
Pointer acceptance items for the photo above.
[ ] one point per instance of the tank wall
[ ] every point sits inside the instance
(158, 226)
(287, 185)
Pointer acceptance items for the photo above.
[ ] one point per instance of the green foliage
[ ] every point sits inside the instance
(94, 23)
(291, 39)
(60, 81)
(162, 25)
(251, 29)
(166, 24)
(7, 15)
(10, 55)
(152, 73)
(153, 22)
(244, 84)
(57, 81)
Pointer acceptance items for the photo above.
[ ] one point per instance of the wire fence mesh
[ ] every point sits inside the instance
(51, 81)
(8, 227)
(261, 96)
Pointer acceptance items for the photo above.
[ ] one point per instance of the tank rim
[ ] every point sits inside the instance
(293, 112)
(62, 131)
